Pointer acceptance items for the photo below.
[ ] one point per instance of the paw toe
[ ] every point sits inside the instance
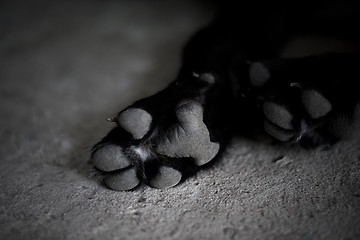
(276, 132)
(258, 74)
(206, 153)
(109, 158)
(136, 121)
(166, 177)
(278, 115)
(315, 103)
(121, 181)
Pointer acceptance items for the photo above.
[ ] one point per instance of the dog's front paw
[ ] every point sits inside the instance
(156, 141)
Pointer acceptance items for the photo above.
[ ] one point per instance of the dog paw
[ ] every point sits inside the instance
(303, 100)
(156, 140)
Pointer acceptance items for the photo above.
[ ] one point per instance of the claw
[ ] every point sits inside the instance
(113, 118)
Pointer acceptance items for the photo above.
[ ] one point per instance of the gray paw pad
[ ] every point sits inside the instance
(258, 74)
(207, 77)
(315, 104)
(166, 177)
(136, 121)
(278, 115)
(189, 138)
(110, 158)
(279, 134)
(121, 181)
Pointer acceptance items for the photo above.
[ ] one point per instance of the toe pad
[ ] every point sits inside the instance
(165, 178)
(278, 115)
(124, 180)
(280, 134)
(258, 74)
(136, 121)
(315, 104)
(109, 158)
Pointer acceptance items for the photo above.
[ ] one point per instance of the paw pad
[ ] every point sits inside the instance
(123, 180)
(136, 121)
(258, 74)
(278, 133)
(315, 104)
(166, 177)
(278, 115)
(190, 137)
(110, 158)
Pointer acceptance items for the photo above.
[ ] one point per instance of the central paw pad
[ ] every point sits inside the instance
(190, 137)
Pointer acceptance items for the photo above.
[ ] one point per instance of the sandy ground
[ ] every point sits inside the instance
(67, 65)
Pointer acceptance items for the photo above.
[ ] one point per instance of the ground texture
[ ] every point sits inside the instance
(68, 65)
